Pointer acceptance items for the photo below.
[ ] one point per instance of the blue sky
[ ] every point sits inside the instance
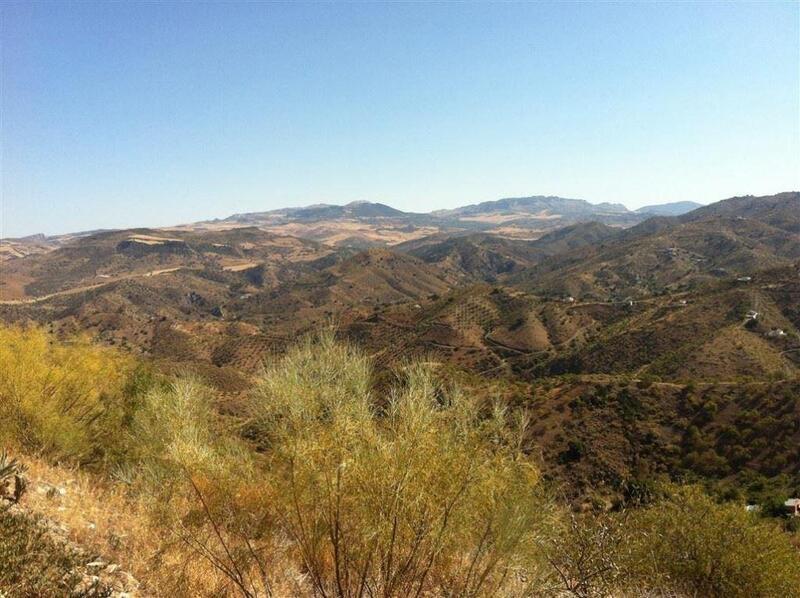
(130, 114)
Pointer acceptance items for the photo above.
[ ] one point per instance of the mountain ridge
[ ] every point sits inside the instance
(675, 208)
(366, 210)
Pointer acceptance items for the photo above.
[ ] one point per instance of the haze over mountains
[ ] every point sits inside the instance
(670, 209)
(363, 223)
(378, 224)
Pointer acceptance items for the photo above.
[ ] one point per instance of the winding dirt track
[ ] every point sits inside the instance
(56, 294)
(90, 287)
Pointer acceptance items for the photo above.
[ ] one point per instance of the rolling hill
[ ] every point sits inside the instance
(486, 257)
(615, 339)
(731, 239)
(105, 257)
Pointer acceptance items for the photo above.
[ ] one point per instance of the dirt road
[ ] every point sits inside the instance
(106, 282)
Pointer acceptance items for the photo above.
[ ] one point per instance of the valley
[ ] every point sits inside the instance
(613, 364)
(399, 299)
(661, 305)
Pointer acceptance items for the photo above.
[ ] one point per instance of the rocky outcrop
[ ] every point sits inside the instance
(91, 574)
(12, 488)
(12, 479)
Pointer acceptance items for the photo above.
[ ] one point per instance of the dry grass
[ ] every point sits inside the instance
(94, 514)
(106, 520)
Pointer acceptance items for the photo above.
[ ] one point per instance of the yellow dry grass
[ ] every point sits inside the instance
(95, 515)
(105, 520)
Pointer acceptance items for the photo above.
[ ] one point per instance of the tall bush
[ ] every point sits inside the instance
(400, 497)
(64, 399)
(690, 544)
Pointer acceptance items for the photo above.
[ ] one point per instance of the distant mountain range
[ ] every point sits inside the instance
(670, 209)
(366, 224)
(356, 209)
(730, 238)
(536, 207)
(545, 245)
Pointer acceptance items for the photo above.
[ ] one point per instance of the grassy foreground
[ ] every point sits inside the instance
(326, 486)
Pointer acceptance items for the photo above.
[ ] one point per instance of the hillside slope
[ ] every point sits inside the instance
(726, 240)
(488, 257)
(110, 256)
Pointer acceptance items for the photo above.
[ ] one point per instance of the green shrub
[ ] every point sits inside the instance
(575, 451)
(399, 486)
(413, 494)
(66, 400)
(692, 545)
(175, 433)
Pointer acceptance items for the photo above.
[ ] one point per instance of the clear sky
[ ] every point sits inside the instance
(130, 114)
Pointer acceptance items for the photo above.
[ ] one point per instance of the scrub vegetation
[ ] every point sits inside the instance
(325, 483)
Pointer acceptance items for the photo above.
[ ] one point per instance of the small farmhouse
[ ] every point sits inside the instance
(793, 507)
